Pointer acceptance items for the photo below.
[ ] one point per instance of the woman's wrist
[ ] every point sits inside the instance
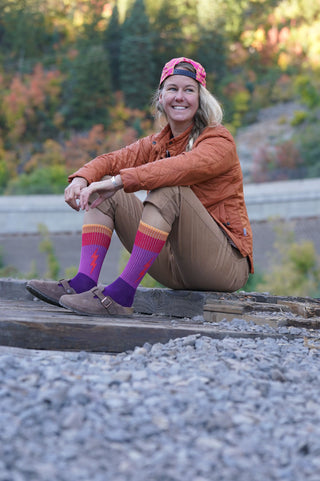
(80, 180)
(116, 181)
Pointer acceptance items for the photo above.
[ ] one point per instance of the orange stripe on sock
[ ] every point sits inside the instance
(151, 231)
(97, 228)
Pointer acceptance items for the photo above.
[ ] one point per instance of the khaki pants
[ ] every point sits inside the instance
(197, 254)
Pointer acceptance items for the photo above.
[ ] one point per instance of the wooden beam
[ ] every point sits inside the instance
(36, 325)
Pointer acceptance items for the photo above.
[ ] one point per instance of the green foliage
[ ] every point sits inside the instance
(167, 36)
(295, 270)
(46, 180)
(26, 33)
(307, 141)
(253, 281)
(4, 175)
(62, 65)
(136, 64)
(46, 247)
(240, 105)
(299, 117)
(308, 91)
(88, 89)
(112, 42)
(211, 52)
(70, 272)
(53, 267)
(11, 271)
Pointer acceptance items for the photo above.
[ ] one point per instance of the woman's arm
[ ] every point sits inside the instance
(72, 192)
(213, 155)
(105, 189)
(111, 163)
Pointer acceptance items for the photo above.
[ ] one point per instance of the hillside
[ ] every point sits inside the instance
(74, 82)
(273, 126)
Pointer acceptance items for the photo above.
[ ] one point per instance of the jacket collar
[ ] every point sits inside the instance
(165, 135)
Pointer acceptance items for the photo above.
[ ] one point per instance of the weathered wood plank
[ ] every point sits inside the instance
(261, 320)
(161, 314)
(306, 310)
(30, 326)
(168, 302)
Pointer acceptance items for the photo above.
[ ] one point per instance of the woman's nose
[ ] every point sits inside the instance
(179, 94)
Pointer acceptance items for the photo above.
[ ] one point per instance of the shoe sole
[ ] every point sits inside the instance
(42, 296)
(82, 313)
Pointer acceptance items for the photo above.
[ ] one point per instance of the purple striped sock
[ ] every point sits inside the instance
(147, 246)
(95, 243)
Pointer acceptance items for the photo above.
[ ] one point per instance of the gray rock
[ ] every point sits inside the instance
(193, 409)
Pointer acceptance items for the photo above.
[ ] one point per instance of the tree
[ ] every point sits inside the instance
(136, 64)
(112, 42)
(211, 53)
(25, 34)
(168, 38)
(88, 90)
(296, 267)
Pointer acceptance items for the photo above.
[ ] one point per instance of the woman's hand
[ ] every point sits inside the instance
(72, 192)
(105, 189)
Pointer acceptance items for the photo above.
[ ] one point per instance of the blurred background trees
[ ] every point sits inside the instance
(77, 76)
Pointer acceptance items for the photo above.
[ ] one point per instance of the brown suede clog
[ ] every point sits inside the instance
(50, 291)
(95, 303)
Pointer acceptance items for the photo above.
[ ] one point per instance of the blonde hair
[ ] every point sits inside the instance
(209, 113)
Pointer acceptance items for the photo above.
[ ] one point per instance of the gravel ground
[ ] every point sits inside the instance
(193, 409)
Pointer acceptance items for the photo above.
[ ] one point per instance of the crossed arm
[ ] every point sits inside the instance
(78, 192)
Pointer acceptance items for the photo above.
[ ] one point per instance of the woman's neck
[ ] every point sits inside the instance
(178, 130)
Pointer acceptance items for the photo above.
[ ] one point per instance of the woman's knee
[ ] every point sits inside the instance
(167, 202)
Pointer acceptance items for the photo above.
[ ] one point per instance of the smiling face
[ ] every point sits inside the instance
(180, 100)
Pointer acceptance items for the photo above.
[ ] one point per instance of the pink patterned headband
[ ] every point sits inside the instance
(169, 69)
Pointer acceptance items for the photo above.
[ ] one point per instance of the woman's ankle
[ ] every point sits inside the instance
(82, 283)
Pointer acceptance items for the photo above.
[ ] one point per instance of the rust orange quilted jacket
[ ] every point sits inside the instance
(211, 169)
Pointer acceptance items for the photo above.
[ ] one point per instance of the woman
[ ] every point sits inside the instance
(191, 232)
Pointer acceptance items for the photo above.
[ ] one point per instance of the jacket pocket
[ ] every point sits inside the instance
(220, 213)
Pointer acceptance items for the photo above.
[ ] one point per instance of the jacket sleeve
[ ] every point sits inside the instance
(111, 163)
(213, 154)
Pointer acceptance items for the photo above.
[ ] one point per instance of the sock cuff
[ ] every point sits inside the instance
(150, 238)
(151, 231)
(95, 234)
(99, 228)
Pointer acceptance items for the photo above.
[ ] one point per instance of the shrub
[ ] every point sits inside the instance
(307, 140)
(299, 117)
(253, 281)
(295, 267)
(278, 162)
(46, 246)
(47, 180)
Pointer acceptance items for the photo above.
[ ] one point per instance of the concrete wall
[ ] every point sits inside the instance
(287, 200)
(294, 199)
(296, 203)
